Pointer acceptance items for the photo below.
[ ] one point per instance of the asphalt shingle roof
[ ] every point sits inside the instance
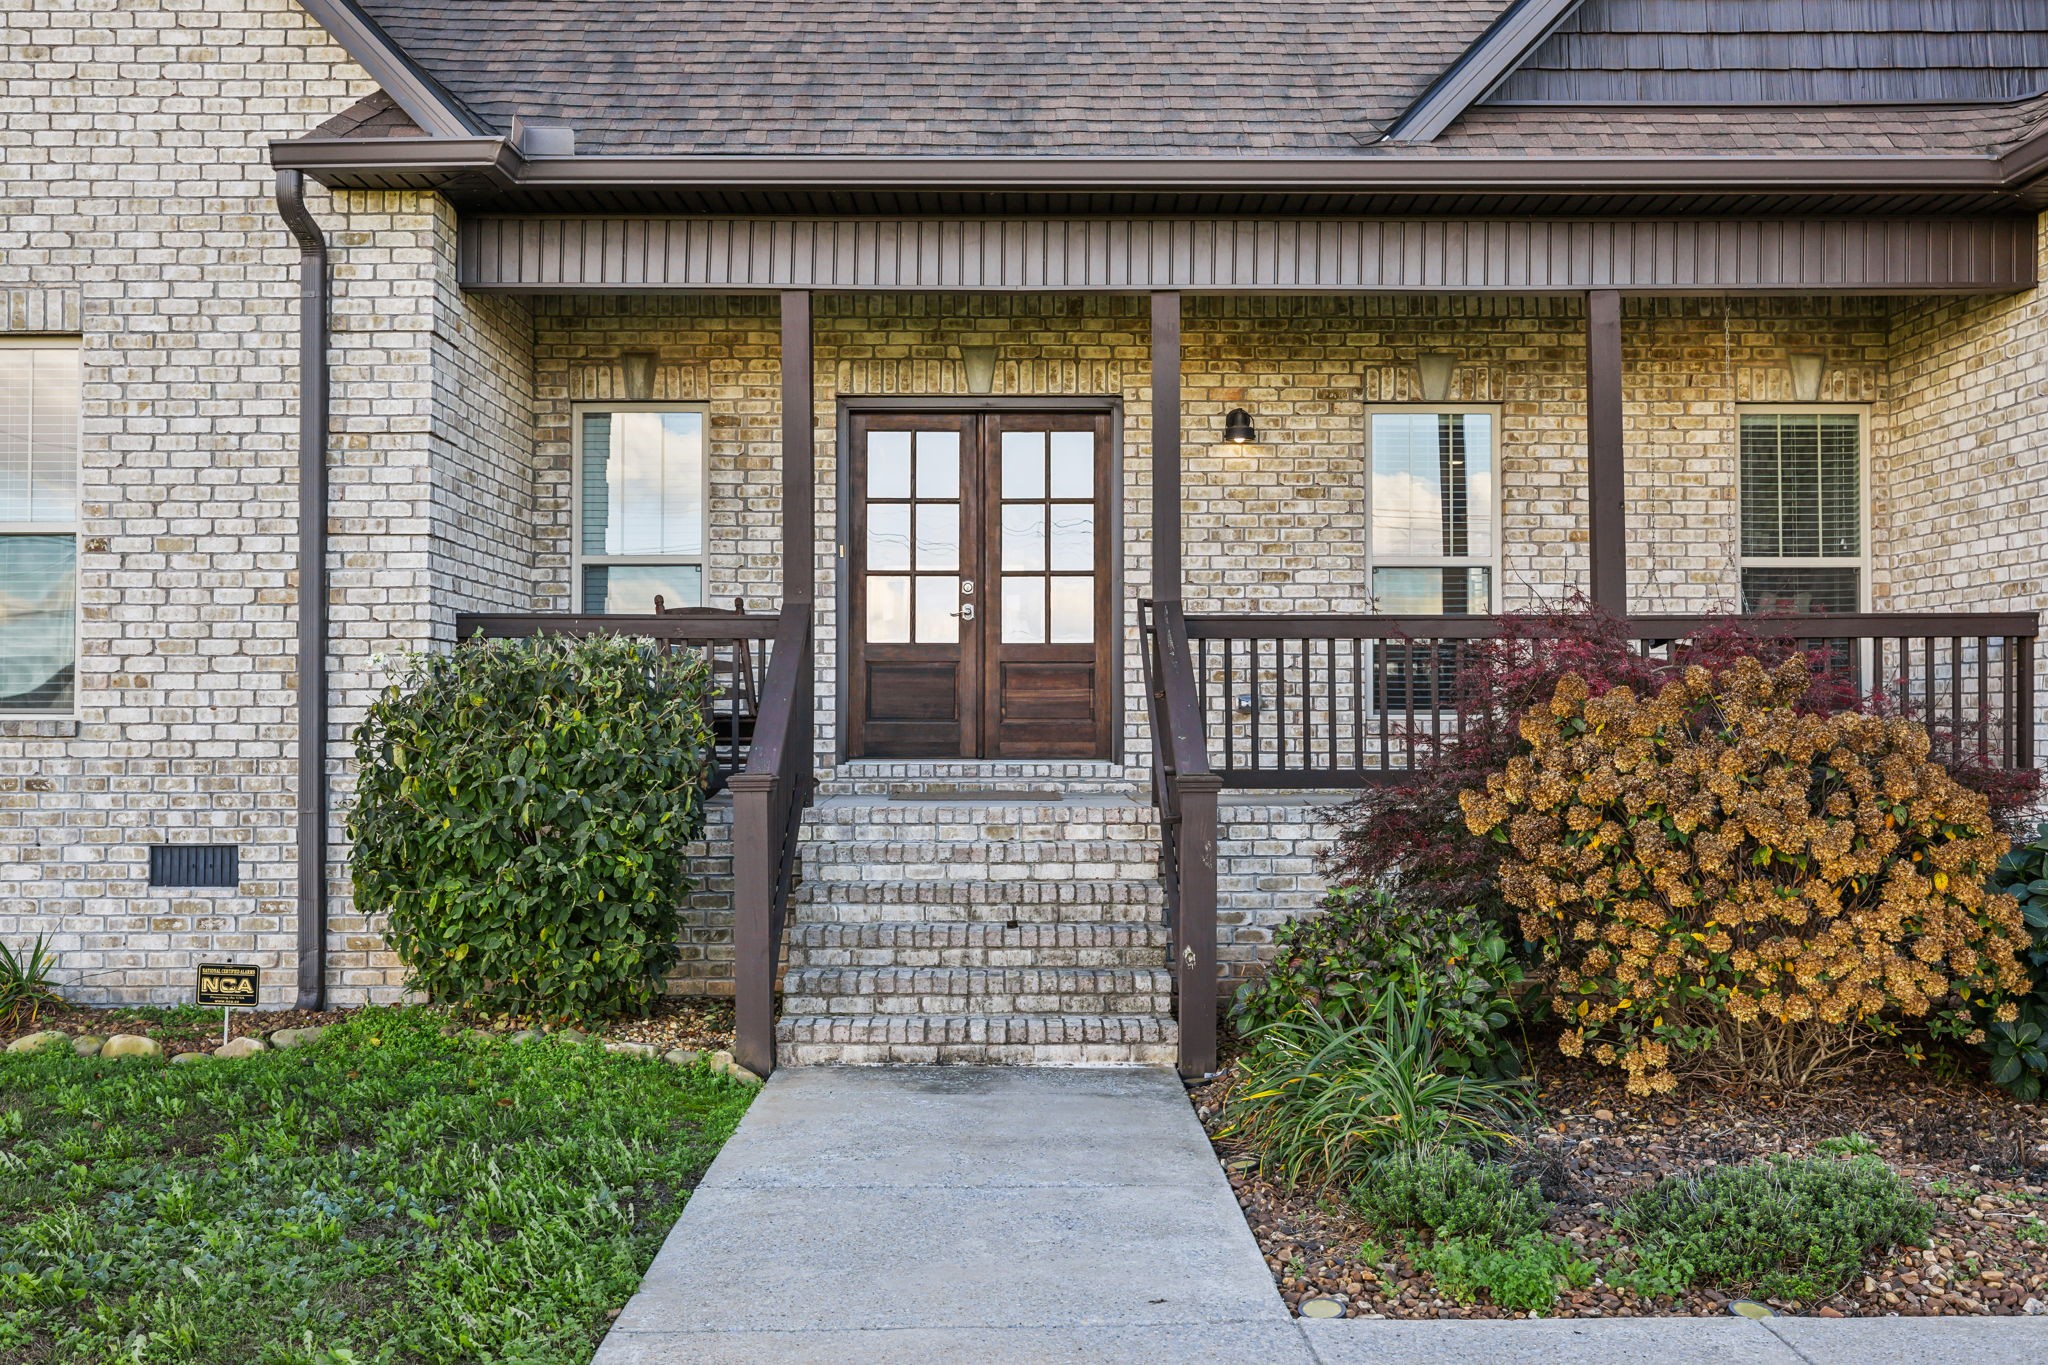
(906, 77)
(1164, 78)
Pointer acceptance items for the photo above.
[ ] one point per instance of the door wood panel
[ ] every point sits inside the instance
(981, 585)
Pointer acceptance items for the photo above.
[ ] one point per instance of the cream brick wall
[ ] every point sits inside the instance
(136, 201)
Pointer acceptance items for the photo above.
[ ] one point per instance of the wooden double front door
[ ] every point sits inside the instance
(982, 609)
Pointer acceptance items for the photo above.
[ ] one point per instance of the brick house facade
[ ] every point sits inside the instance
(140, 228)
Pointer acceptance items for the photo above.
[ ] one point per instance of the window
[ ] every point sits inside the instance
(640, 508)
(1433, 508)
(38, 527)
(1802, 511)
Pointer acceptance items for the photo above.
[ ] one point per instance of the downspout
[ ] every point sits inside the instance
(291, 203)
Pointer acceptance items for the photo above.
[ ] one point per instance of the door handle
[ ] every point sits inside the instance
(966, 612)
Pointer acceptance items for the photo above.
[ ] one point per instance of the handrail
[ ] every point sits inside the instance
(769, 799)
(1185, 791)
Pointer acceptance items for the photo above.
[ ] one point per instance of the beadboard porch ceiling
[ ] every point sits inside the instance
(626, 254)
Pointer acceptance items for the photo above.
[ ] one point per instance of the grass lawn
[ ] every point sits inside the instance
(383, 1195)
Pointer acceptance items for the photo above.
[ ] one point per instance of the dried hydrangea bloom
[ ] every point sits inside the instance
(1710, 855)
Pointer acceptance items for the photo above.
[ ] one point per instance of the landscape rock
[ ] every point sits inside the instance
(297, 1037)
(572, 1035)
(240, 1047)
(526, 1035)
(721, 1060)
(88, 1044)
(187, 1058)
(682, 1056)
(131, 1045)
(647, 1050)
(37, 1042)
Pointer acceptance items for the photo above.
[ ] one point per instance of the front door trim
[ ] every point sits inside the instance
(946, 405)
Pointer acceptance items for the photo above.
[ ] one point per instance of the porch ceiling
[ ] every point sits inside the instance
(614, 254)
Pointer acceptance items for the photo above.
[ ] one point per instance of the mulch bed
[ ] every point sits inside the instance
(677, 1021)
(1978, 1156)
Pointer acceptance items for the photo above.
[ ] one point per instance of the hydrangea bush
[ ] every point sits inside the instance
(1713, 859)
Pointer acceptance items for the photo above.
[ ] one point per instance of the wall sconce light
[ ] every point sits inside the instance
(1237, 427)
(980, 364)
(1807, 368)
(638, 370)
(1433, 374)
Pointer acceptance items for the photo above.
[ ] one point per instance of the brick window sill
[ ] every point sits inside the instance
(21, 727)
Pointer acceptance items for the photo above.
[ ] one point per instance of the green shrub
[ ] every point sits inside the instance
(522, 814)
(1362, 943)
(28, 982)
(1795, 1228)
(1524, 1273)
(1318, 1099)
(2018, 1046)
(1445, 1191)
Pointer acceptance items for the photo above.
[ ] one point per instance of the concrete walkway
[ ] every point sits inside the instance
(977, 1214)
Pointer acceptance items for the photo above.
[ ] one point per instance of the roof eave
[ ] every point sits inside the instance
(364, 162)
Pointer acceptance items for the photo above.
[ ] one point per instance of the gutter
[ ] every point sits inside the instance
(312, 803)
(490, 166)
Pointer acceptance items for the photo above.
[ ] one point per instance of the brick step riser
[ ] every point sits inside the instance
(921, 935)
(1086, 959)
(976, 1054)
(811, 909)
(973, 1006)
(931, 1030)
(1080, 830)
(971, 981)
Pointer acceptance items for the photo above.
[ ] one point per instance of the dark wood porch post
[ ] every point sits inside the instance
(1166, 566)
(799, 452)
(1606, 525)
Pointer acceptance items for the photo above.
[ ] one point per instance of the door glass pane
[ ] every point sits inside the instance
(632, 588)
(938, 536)
(1023, 464)
(889, 535)
(1024, 535)
(938, 607)
(888, 464)
(1073, 611)
(1023, 609)
(888, 610)
(1073, 536)
(938, 464)
(1073, 464)
(1432, 592)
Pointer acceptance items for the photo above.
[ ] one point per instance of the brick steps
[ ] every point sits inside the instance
(958, 913)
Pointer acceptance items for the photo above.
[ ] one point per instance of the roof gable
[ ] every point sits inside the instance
(1786, 52)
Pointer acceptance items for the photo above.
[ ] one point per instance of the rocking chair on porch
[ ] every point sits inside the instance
(734, 703)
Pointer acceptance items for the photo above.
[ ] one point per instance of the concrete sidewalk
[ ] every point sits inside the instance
(1008, 1214)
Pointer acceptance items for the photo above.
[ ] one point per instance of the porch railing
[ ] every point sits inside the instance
(761, 722)
(1313, 702)
(740, 649)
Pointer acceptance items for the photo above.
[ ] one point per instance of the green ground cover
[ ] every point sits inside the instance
(386, 1194)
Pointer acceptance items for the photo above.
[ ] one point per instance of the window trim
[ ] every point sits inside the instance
(1860, 562)
(75, 528)
(578, 560)
(1491, 563)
